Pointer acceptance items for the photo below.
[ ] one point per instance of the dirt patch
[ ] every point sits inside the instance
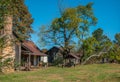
(55, 77)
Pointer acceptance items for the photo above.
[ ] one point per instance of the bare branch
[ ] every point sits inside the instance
(95, 55)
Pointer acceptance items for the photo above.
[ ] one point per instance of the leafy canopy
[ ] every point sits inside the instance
(22, 19)
(67, 29)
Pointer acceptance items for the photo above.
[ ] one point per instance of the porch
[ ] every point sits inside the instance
(31, 56)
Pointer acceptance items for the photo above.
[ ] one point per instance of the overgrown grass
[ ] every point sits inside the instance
(83, 73)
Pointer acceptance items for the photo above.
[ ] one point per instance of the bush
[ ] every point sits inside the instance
(16, 65)
(58, 61)
(4, 63)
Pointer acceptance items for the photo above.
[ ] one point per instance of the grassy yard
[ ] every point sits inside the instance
(86, 73)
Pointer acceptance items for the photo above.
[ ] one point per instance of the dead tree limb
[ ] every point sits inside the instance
(95, 55)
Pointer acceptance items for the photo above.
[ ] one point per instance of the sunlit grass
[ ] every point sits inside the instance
(83, 73)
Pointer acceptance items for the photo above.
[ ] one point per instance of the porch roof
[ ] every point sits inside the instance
(72, 55)
(32, 48)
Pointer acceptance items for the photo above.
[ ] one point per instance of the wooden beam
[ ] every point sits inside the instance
(29, 62)
(19, 55)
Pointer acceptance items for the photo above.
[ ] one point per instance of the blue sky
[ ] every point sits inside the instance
(107, 12)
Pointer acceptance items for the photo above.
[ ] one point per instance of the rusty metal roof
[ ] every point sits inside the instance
(73, 55)
(33, 48)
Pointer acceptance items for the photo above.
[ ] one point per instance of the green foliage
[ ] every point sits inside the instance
(73, 23)
(21, 17)
(89, 47)
(103, 40)
(117, 39)
(58, 61)
(4, 63)
(1, 43)
(16, 65)
(98, 34)
(113, 54)
(87, 16)
(21, 20)
(98, 43)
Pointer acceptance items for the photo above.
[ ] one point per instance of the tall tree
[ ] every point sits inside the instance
(66, 30)
(115, 52)
(103, 40)
(86, 13)
(89, 47)
(98, 34)
(15, 18)
(96, 46)
(20, 15)
(117, 39)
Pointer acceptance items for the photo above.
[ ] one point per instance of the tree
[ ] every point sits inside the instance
(98, 34)
(66, 30)
(17, 12)
(20, 15)
(89, 47)
(103, 40)
(114, 54)
(117, 39)
(96, 47)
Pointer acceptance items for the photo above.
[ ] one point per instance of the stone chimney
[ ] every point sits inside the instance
(8, 52)
(8, 24)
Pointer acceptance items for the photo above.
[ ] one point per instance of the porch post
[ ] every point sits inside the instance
(35, 60)
(29, 63)
(19, 56)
